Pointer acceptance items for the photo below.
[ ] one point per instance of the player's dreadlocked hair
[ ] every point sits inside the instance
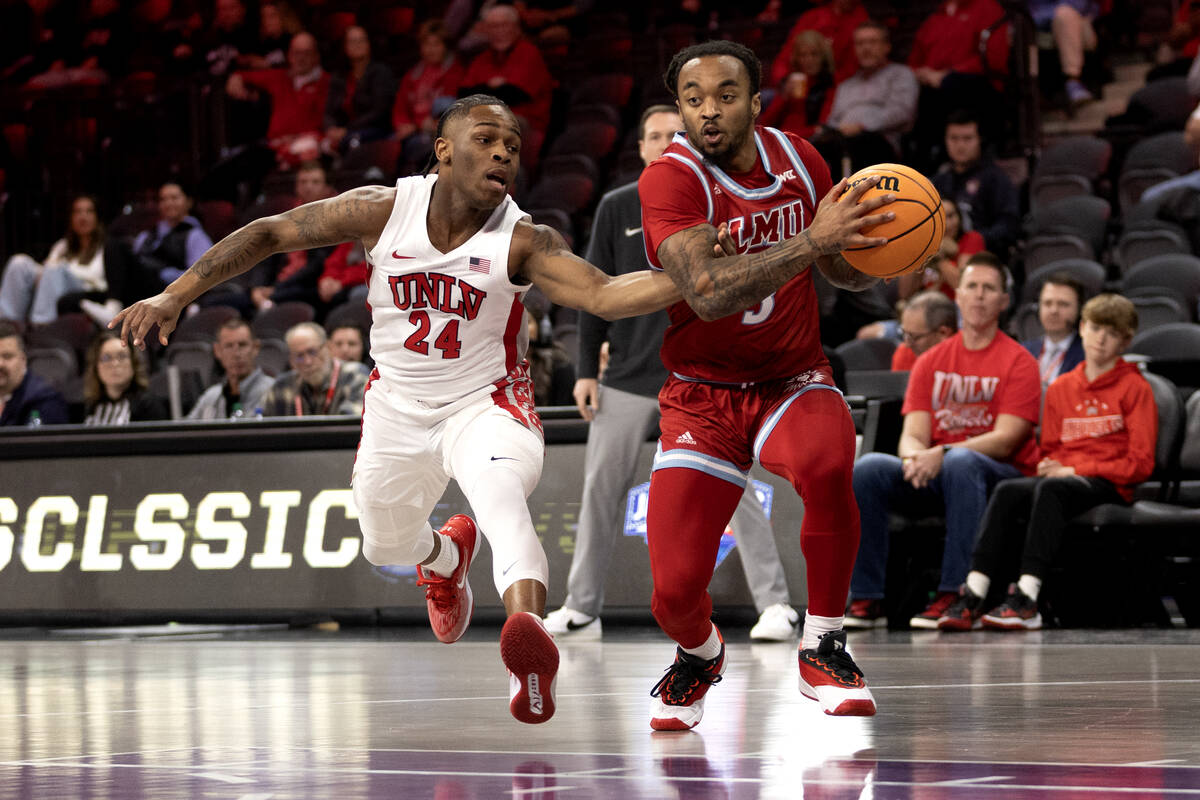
(459, 108)
(714, 48)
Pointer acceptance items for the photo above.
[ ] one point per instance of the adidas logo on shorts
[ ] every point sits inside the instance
(686, 438)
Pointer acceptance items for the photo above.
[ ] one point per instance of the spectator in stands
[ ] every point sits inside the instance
(805, 95)
(277, 24)
(1070, 21)
(941, 272)
(76, 263)
(318, 383)
(1060, 349)
(928, 319)
(512, 69)
(359, 106)
(219, 49)
(321, 277)
(872, 107)
(836, 20)
(92, 53)
(549, 363)
(969, 412)
(348, 342)
(175, 242)
(245, 385)
(959, 54)
(425, 91)
(1099, 432)
(115, 385)
(24, 397)
(982, 192)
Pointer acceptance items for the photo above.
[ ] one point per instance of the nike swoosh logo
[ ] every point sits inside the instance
(506, 569)
(632, 231)
(396, 254)
(503, 458)
(572, 625)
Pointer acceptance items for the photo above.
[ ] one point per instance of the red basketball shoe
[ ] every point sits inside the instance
(679, 695)
(830, 676)
(531, 657)
(449, 600)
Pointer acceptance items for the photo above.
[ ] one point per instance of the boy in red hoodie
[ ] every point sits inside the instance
(1099, 429)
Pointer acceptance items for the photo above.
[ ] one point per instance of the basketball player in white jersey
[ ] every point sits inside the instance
(451, 255)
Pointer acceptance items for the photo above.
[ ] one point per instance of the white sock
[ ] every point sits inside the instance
(1030, 585)
(447, 559)
(815, 627)
(710, 649)
(978, 583)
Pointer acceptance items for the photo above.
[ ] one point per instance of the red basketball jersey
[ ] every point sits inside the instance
(780, 337)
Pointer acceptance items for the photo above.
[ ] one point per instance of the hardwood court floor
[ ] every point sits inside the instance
(271, 713)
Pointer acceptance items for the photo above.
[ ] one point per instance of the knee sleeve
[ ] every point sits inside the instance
(394, 536)
(497, 496)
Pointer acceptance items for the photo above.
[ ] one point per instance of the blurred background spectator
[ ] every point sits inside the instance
(25, 399)
(176, 241)
(359, 106)
(425, 91)
(115, 382)
(805, 95)
(245, 384)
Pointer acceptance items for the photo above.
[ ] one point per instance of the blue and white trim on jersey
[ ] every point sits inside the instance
(701, 462)
(728, 183)
(797, 162)
(699, 176)
(768, 426)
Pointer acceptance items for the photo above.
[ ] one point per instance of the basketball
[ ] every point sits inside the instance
(915, 233)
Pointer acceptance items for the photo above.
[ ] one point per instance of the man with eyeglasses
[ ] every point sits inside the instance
(318, 383)
(22, 393)
(245, 385)
(928, 319)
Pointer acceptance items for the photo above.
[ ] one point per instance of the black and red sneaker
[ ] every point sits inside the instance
(864, 614)
(1018, 612)
(830, 676)
(449, 600)
(679, 695)
(963, 614)
(928, 619)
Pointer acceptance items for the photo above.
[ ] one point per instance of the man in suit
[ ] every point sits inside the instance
(1060, 349)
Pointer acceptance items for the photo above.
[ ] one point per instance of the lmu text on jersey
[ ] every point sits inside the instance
(769, 227)
(418, 290)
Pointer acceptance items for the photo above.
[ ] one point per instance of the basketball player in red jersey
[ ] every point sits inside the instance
(441, 405)
(748, 377)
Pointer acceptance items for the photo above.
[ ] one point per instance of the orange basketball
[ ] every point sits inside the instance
(915, 233)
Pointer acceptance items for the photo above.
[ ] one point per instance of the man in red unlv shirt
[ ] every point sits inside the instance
(748, 377)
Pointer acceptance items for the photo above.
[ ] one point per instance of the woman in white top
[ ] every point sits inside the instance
(30, 290)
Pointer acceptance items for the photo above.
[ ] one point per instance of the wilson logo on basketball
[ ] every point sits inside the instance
(887, 183)
(535, 694)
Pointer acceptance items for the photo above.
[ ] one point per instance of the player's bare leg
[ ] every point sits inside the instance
(528, 652)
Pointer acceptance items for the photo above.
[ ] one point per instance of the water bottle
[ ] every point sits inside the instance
(35, 419)
(258, 414)
(238, 413)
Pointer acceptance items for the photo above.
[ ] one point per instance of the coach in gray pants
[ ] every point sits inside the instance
(623, 412)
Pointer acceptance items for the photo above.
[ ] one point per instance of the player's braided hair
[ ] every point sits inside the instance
(459, 108)
(714, 48)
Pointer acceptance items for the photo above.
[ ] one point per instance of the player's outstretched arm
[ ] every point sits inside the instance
(717, 287)
(357, 214)
(542, 257)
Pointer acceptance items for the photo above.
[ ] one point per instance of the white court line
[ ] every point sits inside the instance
(971, 781)
(567, 775)
(223, 778)
(577, 695)
(1162, 762)
(542, 789)
(256, 797)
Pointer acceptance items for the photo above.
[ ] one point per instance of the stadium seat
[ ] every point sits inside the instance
(612, 88)
(354, 312)
(594, 140)
(589, 113)
(72, 331)
(1046, 189)
(1150, 161)
(193, 356)
(1085, 217)
(572, 164)
(273, 357)
(1174, 351)
(871, 383)
(1087, 272)
(570, 193)
(57, 365)
(872, 354)
(1178, 272)
(1143, 242)
(1025, 324)
(1155, 311)
(274, 322)
(202, 326)
(1048, 248)
(1086, 156)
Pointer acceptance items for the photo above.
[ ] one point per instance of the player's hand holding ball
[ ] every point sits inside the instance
(913, 234)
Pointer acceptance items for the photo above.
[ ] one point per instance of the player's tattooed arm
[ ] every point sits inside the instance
(540, 255)
(838, 271)
(357, 214)
(716, 288)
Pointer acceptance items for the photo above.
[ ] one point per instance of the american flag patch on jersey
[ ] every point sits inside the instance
(483, 265)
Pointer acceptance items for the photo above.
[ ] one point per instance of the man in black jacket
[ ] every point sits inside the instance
(23, 394)
(623, 411)
(983, 192)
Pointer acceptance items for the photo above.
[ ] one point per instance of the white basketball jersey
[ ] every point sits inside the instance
(445, 325)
